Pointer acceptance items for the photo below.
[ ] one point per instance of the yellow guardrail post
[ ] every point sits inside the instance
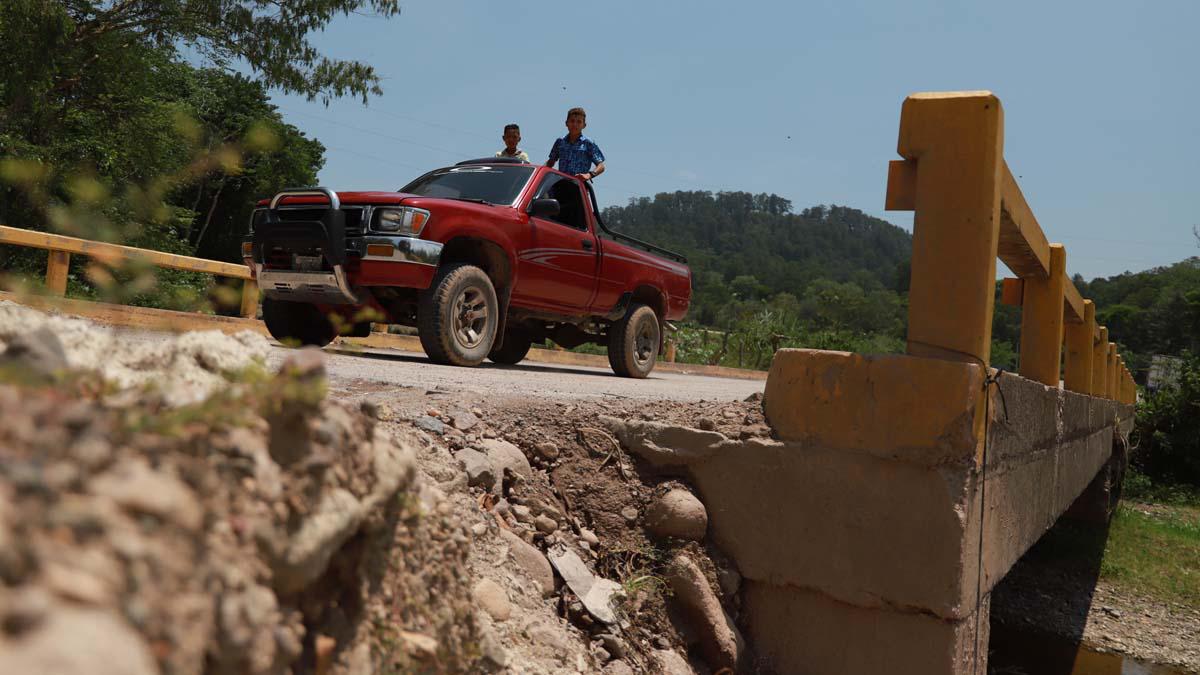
(57, 264)
(957, 143)
(1111, 375)
(249, 299)
(1078, 369)
(1100, 364)
(1042, 321)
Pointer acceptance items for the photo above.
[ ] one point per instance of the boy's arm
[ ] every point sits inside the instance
(553, 153)
(598, 160)
(588, 175)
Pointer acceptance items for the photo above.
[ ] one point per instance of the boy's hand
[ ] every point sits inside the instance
(586, 175)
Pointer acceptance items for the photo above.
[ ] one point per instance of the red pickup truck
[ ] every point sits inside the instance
(484, 258)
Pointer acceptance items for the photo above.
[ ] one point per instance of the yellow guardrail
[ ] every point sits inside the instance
(969, 211)
(61, 248)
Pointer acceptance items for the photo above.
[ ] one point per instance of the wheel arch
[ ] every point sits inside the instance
(494, 260)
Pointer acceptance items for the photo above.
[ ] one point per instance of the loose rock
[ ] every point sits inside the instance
(669, 662)
(589, 536)
(80, 641)
(39, 352)
(677, 514)
(721, 641)
(545, 524)
(430, 424)
(547, 451)
(463, 420)
(617, 668)
(133, 485)
(530, 559)
(479, 469)
(507, 460)
(492, 598)
(419, 645)
(335, 519)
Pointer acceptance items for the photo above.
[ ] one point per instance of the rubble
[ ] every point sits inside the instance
(287, 530)
(720, 639)
(677, 513)
(595, 593)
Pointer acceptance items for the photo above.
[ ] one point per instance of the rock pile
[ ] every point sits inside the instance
(248, 534)
(184, 368)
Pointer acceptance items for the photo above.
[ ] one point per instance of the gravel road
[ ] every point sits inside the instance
(377, 367)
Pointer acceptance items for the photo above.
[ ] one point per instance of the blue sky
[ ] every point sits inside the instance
(1102, 101)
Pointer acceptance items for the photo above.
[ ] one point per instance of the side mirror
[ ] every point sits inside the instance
(544, 208)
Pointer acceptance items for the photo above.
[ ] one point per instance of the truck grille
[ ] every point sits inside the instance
(355, 224)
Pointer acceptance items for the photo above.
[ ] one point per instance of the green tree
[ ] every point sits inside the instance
(1168, 423)
(106, 132)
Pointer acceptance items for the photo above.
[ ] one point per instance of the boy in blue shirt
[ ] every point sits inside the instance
(575, 153)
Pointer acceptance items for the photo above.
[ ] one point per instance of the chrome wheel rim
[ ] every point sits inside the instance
(645, 343)
(470, 316)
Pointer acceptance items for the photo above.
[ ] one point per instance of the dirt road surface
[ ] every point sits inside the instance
(411, 370)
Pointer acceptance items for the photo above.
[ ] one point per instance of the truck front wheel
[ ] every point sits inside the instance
(457, 316)
(633, 342)
(299, 323)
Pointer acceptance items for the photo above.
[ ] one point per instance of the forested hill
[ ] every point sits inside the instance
(1152, 312)
(730, 236)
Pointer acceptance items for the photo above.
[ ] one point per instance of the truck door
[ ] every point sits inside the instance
(559, 267)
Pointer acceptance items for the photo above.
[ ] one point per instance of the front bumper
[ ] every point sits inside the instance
(402, 249)
(320, 253)
(336, 286)
(331, 288)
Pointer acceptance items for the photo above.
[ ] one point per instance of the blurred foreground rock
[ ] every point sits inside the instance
(241, 534)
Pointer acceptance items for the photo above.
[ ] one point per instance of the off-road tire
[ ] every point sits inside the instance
(516, 346)
(446, 316)
(633, 342)
(295, 323)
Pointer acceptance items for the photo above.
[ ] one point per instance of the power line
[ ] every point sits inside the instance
(377, 133)
(434, 125)
(381, 160)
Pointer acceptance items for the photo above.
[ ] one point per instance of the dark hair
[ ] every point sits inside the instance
(577, 111)
(512, 127)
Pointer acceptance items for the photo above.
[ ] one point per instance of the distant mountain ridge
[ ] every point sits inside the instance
(727, 235)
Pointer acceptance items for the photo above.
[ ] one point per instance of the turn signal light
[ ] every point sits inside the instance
(247, 249)
(384, 250)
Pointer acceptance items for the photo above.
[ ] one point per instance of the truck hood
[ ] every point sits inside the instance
(377, 198)
(374, 198)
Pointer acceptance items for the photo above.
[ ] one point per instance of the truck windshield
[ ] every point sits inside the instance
(499, 184)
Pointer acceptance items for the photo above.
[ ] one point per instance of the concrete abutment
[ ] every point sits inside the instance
(871, 533)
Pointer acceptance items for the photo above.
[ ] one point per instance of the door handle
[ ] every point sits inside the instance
(588, 244)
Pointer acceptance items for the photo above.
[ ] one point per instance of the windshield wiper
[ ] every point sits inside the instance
(471, 199)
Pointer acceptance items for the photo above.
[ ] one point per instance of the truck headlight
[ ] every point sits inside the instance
(404, 220)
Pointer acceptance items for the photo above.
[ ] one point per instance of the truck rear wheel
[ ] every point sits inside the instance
(458, 315)
(297, 323)
(633, 342)
(516, 346)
